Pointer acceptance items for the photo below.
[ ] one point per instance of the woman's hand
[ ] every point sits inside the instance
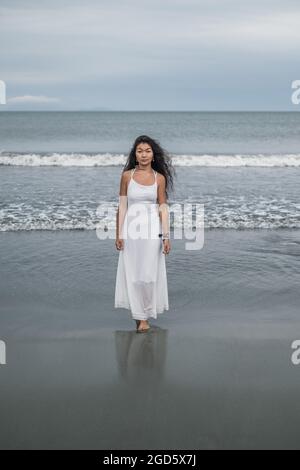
(166, 246)
(119, 243)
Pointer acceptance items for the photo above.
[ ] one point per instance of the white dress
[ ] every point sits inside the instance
(141, 280)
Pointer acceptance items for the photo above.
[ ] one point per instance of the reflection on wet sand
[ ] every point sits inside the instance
(141, 357)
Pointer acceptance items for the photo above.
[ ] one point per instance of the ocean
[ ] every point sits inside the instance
(57, 168)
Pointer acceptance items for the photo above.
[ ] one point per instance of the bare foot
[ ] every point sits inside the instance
(144, 325)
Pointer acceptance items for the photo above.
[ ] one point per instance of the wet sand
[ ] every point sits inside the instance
(215, 371)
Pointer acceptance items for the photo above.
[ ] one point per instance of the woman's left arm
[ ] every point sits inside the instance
(164, 212)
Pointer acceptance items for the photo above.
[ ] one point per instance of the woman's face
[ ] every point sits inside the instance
(144, 154)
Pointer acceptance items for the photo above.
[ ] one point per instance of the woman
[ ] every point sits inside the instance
(142, 232)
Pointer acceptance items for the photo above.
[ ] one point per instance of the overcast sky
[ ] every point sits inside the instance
(150, 54)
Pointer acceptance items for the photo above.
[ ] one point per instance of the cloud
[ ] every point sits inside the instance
(142, 54)
(33, 99)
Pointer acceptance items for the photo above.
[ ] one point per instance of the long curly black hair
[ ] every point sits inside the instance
(162, 160)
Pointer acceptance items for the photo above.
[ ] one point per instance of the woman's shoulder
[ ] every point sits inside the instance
(125, 178)
(126, 174)
(160, 177)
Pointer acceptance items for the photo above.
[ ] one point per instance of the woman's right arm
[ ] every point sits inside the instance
(121, 211)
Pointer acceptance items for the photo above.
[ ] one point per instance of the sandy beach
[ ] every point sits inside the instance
(214, 373)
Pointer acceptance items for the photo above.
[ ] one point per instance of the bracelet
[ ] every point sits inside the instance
(165, 236)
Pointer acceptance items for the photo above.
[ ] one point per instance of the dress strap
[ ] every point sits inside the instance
(155, 173)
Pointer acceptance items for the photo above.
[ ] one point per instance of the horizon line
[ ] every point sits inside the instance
(151, 111)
